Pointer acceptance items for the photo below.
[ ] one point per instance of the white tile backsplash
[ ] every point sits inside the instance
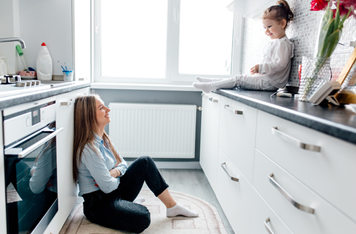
(303, 33)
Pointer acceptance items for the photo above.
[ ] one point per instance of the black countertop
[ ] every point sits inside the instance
(14, 100)
(336, 121)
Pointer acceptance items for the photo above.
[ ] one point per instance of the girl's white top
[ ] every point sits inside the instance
(276, 63)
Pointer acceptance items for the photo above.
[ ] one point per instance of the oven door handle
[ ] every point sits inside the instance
(28, 150)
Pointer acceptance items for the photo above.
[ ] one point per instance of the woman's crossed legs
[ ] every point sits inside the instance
(117, 210)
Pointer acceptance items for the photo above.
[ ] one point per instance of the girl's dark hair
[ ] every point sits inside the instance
(279, 12)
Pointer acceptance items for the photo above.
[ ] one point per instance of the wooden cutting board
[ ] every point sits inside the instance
(346, 97)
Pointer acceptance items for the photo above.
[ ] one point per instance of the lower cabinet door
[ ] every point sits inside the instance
(67, 188)
(233, 193)
(300, 208)
(330, 173)
(264, 219)
(209, 136)
(237, 134)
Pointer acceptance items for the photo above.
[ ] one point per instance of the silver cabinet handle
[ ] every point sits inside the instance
(236, 112)
(28, 150)
(223, 165)
(209, 98)
(267, 227)
(67, 103)
(39, 143)
(295, 141)
(213, 100)
(289, 197)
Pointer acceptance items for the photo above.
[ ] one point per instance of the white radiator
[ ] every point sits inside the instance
(156, 130)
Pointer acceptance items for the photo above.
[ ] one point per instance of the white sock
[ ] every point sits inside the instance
(178, 209)
(139, 200)
(204, 80)
(206, 87)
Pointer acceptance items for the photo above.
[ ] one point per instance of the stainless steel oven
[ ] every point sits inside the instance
(30, 166)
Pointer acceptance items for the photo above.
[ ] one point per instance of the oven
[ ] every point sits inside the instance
(30, 161)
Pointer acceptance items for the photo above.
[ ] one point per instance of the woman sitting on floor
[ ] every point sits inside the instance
(108, 186)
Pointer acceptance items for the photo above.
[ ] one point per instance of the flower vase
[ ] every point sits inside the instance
(315, 73)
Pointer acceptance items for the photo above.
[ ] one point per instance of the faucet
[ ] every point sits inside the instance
(9, 39)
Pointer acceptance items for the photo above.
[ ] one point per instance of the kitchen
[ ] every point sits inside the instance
(332, 128)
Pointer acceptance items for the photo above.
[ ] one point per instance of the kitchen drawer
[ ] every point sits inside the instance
(22, 125)
(330, 173)
(233, 196)
(263, 218)
(209, 136)
(325, 219)
(237, 134)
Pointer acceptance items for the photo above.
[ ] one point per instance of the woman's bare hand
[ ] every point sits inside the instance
(115, 173)
(254, 69)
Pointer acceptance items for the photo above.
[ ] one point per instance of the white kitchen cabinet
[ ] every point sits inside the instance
(2, 185)
(272, 157)
(209, 136)
(301, 209)
(263, 217)
(233, 192)
(237, 134)
(330, 172)
(67, 190)
(223, 134)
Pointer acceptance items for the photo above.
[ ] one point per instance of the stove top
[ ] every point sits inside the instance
(7, 90)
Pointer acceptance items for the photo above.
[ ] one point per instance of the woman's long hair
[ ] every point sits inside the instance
(85, 125)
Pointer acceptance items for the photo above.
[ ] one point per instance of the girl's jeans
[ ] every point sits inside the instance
(116, 209)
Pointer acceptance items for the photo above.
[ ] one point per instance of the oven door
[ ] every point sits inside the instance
(31, 182)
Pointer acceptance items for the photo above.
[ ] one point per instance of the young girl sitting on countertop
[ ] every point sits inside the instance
(273, 72)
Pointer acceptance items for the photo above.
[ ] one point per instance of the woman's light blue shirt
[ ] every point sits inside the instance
(93, 171)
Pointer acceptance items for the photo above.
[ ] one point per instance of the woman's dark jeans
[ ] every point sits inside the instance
(116, 209)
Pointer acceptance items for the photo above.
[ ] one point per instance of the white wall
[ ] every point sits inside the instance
(37, 21)
(9, 27)
(48, 21)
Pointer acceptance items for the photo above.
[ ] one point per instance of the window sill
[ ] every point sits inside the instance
(132, 86)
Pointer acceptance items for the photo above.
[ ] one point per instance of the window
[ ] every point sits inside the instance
(162, 41)
(133, 38)
(205, 37)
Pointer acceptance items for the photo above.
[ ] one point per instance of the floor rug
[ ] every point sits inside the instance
(208, 222)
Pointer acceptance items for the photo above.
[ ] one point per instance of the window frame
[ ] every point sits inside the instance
(172, 75)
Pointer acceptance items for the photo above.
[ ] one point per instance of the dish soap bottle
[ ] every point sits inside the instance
(3, 67)
(44, 64)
